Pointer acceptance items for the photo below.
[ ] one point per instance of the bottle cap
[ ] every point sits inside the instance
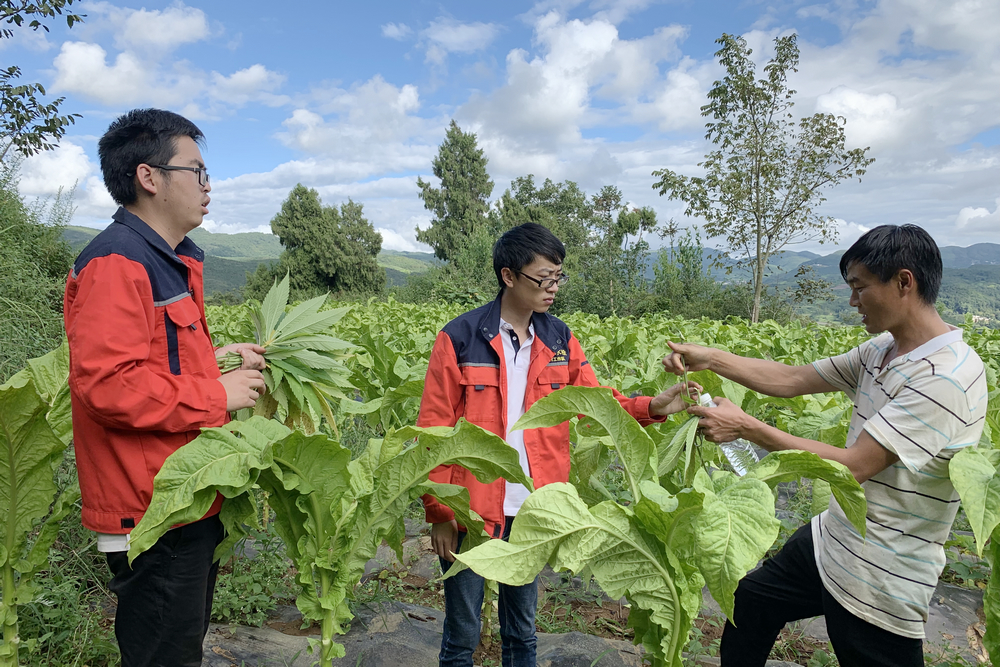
(706, 400)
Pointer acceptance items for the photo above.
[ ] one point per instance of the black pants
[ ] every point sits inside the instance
(788, 588)
(165, 598)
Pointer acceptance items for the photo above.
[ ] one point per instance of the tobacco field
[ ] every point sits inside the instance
(657, 498)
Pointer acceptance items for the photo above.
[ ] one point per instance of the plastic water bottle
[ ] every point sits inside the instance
(740, 453)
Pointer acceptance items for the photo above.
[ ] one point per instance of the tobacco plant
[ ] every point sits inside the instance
(331, 512)
(34, 430)
(305, 364)
(686, 526)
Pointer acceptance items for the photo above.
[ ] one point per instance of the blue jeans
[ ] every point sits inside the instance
(463, 603)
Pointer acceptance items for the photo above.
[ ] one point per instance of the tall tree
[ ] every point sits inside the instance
(28, 124)
(614, 261)
(326, 249)
(768, 172)
(461, 203)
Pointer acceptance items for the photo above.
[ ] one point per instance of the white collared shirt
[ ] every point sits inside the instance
(923, 406)
(516, 363)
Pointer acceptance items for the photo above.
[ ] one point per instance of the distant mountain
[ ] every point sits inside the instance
(228, 257)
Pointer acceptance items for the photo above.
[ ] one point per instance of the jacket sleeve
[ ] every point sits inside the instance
(111, 327)
(440, 406)
(581, 374)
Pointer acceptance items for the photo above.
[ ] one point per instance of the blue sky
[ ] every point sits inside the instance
(353, 98)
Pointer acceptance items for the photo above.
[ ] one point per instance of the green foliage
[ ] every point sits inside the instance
(31, 452)
(252, 585)
(460, 204)
(35, 263)
(662, 547)
(331, 512)
(27, 123)
(326, 249)
(305, 365)
(767, 174)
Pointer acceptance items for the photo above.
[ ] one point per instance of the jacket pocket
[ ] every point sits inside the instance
(482, 394)
(552, 378)
(185, 338)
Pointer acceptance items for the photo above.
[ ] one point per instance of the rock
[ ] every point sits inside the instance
(416, 527)
(716, 662)
(575, 649)
(385, 558)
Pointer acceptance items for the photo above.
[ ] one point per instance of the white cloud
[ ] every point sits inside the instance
(235, 228)
(83, 68)
(397, 31)
(45, 173)
(393, 240)
(446, 35)
(68, 167)
(255, 83)
(980, 220)
(152, 32)
(365, 130)
(872, 120)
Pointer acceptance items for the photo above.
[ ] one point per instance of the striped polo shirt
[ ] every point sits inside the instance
(923, 406)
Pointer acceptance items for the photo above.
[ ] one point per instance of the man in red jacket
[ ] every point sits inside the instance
(489, 366)
(143, 380)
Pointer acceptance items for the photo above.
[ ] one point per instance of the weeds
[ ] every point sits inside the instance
(254, 581)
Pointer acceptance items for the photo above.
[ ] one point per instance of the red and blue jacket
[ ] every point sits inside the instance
(143, 376)
(467, 378)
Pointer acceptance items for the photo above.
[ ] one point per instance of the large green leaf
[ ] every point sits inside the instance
(632, 444)
(400, 479)
(29, 452)
(973, 471)
(733, 531)
(991, 601)
(681, 441)
(554, 526)
(50, 373)
(789, 465)
(226, 460)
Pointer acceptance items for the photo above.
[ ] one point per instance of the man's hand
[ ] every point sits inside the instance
(672, 400)
(444, 539)
(251, 353)
(724, 423)
(696, 357)
(243, 388)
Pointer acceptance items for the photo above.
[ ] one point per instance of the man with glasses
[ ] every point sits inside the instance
(144, 379)
(489, 366)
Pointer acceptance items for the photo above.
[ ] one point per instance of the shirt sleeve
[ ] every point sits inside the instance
(582, 375)
(439, 406)
(110, 342)
(843, 371)
(928, 415)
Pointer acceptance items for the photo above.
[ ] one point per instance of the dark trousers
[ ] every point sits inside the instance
(165, 598)
(463, 603)
(788, 588)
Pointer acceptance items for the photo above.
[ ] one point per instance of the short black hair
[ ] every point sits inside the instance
(142, 136)
(519, 247)
(887, 249)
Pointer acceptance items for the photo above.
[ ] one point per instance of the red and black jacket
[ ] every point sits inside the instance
(143, 376)
(467, 378)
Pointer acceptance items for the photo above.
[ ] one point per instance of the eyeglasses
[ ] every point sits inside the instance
(546, 283)
(203, 177)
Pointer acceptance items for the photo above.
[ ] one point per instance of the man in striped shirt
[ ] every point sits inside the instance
(919, 396)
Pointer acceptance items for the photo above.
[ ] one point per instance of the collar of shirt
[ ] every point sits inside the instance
(509, 329)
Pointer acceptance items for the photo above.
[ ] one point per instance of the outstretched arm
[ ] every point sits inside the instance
(772, 378)
(727, 422)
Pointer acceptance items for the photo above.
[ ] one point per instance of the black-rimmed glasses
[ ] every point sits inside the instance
(203, 177)
(546, 283)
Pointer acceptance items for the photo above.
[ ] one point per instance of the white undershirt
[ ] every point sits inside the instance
(516, 363)
(109, 542)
